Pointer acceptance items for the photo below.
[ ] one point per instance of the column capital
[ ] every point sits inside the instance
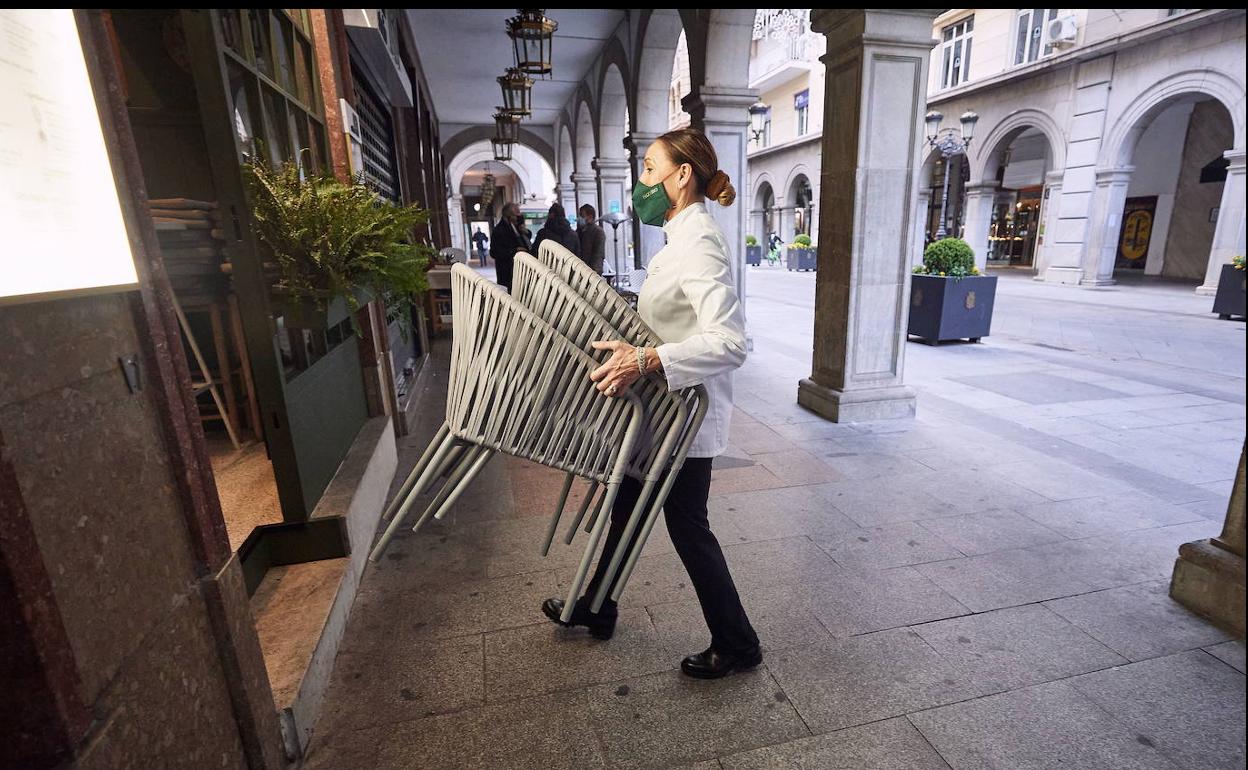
(638, 143)
(852, 29)
(712, 104)
(610, 167)
(1054, 178)
(985, 190)
(1115, 175)
(564, 187)
(1236, 158)
(579, 179)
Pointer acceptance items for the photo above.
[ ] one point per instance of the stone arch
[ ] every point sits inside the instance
(530, 178)
(1118, 147)
(986, 158)
(474, 134)
(614, 57)
(613, 112)
(762, 183)
(798, 171)
(656, 52)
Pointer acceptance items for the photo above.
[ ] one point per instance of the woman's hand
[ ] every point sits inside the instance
(619, 371)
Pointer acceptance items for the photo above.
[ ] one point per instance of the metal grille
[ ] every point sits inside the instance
(380, 169)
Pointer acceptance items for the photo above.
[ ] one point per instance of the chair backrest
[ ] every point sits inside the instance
(598, 293)
(545, 293)
(521, 387)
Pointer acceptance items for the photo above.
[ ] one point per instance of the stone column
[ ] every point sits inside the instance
(1052, 197)
(566, 194)
(649, 239)
(455, 212)
(786, 223)
(1075, 216)
(1104, 225)
(722, 114)
(586, 186)
(872, 142)
(979, 199)
(1228, 236)
(613, 192)
(1209, 574)
(920, 226)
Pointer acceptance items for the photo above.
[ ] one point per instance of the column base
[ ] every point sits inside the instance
(856, 405)
(1210, 581)
(1207, 290)
(1067, 275)
(1098, 282)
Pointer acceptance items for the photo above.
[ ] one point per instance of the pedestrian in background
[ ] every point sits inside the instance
(558, 230)
(592, 238)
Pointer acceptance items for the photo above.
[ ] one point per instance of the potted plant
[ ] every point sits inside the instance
(800, 254)
(949, 298)
(753, 251)
(336, 245)
(1229, 300)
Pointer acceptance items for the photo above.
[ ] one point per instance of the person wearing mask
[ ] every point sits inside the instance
(558, 230)
(505, 241)
(592, 238)
(691, 302)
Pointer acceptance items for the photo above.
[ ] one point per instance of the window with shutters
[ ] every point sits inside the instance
(381, 171)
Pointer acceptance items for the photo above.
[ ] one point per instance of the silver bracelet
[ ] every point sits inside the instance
(641, 361)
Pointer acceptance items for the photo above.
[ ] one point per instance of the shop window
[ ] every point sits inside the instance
(955, 53)
(801, 105)
(1032, 41)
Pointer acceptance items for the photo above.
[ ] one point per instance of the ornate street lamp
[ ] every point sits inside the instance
(950, 142)
(531, 34)
(502, 148)
(506, 126)
(517, 92)
(758, 121)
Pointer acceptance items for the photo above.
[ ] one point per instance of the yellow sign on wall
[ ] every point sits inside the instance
(59, 211)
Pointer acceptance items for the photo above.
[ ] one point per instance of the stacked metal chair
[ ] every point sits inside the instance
(497, 402)
(520, 387)
(627, 325)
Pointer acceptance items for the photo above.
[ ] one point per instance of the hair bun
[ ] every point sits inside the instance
(720, 189)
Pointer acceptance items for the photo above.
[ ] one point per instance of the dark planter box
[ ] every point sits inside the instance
(1229, 300)
(753, 255)
(800, 259)
(951, 308)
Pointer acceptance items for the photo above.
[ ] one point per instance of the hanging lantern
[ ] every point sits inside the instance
(531, 34)
(487, 189)
(506, 126)
(502, 148)
(517, 93)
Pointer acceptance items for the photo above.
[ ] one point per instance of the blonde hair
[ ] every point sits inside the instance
(689, 145)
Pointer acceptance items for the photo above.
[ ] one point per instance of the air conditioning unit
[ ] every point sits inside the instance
(1063, 31)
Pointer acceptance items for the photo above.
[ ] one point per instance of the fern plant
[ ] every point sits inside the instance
(330, 238)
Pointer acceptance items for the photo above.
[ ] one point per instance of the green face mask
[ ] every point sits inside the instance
(650, 202)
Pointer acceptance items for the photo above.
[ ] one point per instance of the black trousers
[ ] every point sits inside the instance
(686, 516)
(503, 268)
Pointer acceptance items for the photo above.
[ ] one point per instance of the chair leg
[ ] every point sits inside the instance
(554, 520)
(417, 488)
(589, 498)
(419, 468)
(459, 480)
(618, 555)
(591, 548)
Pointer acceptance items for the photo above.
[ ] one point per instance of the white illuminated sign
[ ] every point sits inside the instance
(61, 229)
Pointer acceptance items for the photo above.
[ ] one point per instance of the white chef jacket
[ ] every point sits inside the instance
(689, 300)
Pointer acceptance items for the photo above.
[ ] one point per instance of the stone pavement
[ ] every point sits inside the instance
(984, 586)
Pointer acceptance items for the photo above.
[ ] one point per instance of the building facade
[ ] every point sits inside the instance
(1108, 142)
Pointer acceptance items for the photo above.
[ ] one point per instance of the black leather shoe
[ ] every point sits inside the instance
(713, 664)
(601, 625)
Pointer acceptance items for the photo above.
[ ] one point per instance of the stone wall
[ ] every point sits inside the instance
(90, 468)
